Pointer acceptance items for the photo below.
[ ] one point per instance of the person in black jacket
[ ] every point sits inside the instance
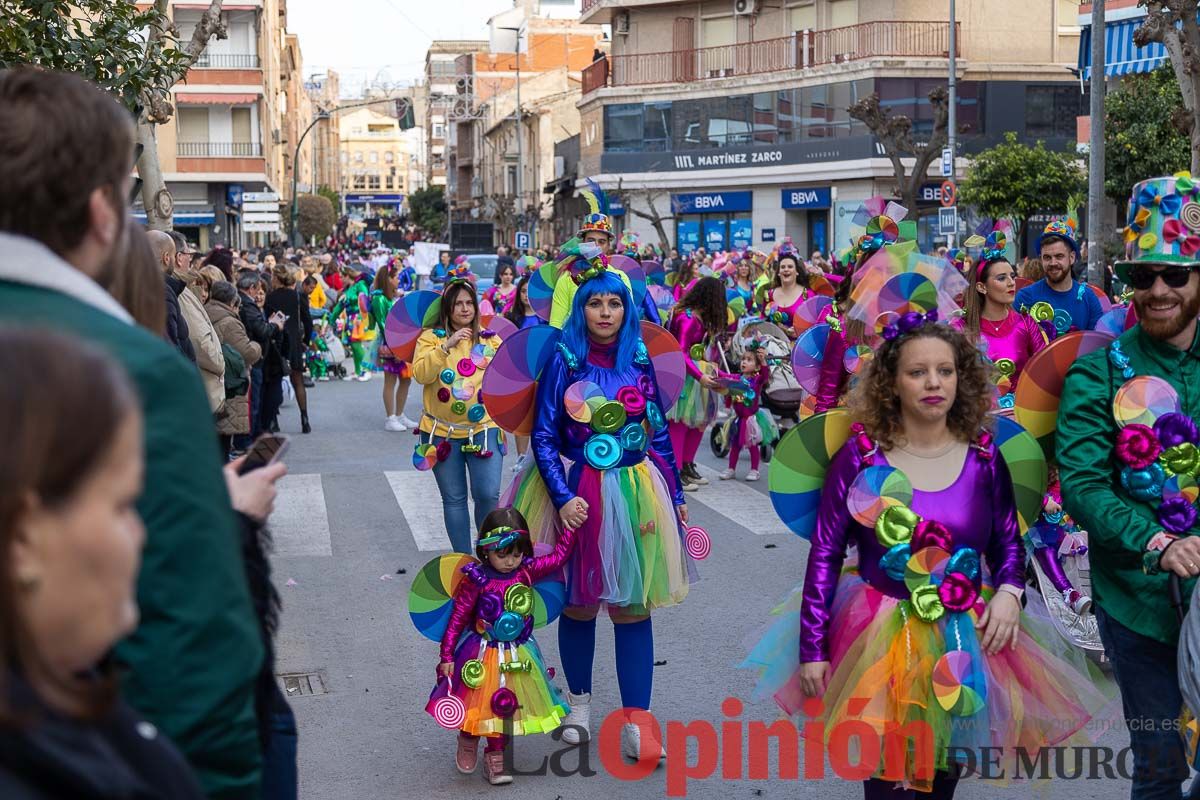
(177, 329)
(297, 328)
(70, 544)
(265, 333)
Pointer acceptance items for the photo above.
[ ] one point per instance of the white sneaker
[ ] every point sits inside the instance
(394, 424)
(752, 475)
(574, 726)
(631, 743)
(348, 377)
(366, 376)
(726, 475)
(406, 422)
(1077, 602)
(688, 486)
(323, 379)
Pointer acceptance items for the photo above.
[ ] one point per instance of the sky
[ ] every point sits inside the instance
(382, 40)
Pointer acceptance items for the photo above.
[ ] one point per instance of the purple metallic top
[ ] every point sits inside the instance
(688, 330)
(1016, 338)
(978, 508)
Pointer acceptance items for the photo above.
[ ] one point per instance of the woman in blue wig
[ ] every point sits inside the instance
(600, 408)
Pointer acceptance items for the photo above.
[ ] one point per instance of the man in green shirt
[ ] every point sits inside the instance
(191, 666)
(1132, 550)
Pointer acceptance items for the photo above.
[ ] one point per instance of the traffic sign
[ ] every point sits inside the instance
(248, 207)
(947, 163)
(261, 227)
(521, 240)
(949, 194)
(261, 217)
(948, 221)
(260, 197)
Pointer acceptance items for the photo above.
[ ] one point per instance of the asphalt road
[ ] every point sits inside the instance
(354, 524)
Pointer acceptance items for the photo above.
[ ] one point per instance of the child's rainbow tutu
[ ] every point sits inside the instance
(630, 553)
(696, 406)
(540, 707)
(886, 664)
(760, 427)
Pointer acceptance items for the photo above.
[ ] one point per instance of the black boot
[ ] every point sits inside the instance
(304, 426)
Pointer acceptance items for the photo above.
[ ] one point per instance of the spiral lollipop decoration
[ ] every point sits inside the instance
(876, 489)
(953, 680)
(449, 712)
(425, 457)
(1142, 400)
(697, 542)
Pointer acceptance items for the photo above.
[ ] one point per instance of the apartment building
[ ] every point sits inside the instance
(734, 112)
(324, 142)
(380, 162)
(442, 85)
(233, 130)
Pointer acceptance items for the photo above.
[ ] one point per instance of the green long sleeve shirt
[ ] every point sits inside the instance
(1119, 527)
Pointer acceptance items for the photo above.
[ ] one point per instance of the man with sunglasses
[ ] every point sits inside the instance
(1073, 301)
(1131, 551)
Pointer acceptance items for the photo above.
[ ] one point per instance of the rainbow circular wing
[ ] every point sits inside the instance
(1112, 322)
(877, 488)
(1036, 398)
(908, 291)
(541, 289)
(856, 358)
(510, 383)
(637, 276)
(1105, 303)
(499, 324)
(549, 593)
(807, 356)
(799, 465)
(821, 285)
(656, 275)
(409, 316)
(431, 597)
(1026, 463)
(811, 312)
(1144, 399)
(670, 367)
(664, 301)
(954, 679)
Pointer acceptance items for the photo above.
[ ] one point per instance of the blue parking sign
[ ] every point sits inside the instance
(521, 240)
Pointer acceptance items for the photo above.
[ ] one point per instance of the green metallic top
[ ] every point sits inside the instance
(1119, 527)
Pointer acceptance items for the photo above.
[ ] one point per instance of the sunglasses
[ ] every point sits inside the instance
(1142, 276)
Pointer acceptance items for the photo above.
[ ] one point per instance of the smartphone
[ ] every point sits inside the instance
(268, 449)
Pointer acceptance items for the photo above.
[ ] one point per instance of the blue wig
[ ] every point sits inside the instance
(575, 332)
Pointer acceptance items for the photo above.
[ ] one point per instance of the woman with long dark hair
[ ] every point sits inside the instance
(696, 322)
(930, 597)
(1007, 337)
(297, 327)
(465, 440)
(789, 289)
(397, 374)
(620, 495)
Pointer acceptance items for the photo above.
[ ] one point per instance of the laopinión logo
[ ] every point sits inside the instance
(852, 750)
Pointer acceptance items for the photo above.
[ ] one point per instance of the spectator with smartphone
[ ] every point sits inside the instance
(263, 332)
(297, 329)
(192, 663)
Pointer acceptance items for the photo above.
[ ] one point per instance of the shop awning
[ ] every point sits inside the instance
(1121, 55)
(214, 99)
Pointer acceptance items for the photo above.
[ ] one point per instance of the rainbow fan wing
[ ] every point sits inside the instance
(670, 367)
(807, 356)
(541, 289)
(430, 599)
(1026, 466)
(409, 316)
(798, 468)
(510, 383)
(1039, 390)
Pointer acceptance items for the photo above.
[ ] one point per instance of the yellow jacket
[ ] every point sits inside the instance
(452, 384)
(564, 297)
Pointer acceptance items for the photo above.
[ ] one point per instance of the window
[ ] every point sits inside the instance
(439, 130)
(443, 68)
(1050, 111)
(358, 159)
(718, 31)
(764, 129)
(345, 157)
(241, 125)
(843, 13)
(802, 17)
(360, 181)
(656, 128)
(787, 116)
(389, 157)
(373, 157)
(388, 181)
(373, 181)
(623, 128)
(193, 124)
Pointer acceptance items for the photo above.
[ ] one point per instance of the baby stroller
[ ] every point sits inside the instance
(782, 395)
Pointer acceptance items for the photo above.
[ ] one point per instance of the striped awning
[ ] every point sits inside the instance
(1121, 55)
(214, 99)
(183, 217)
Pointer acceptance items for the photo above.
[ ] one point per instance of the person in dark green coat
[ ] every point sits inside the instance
(1115, 474)
(191, 665)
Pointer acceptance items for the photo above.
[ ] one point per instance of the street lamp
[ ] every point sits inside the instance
(323, 115)
(520, 148)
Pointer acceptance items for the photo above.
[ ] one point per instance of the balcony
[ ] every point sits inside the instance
(218, 149)
(227, 61)
(803, 50)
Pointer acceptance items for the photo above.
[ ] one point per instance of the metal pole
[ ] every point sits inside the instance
(520, 147)
(1096, 151)
(952, 121)
(295, 237)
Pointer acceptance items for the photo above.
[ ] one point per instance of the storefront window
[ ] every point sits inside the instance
(765, 130)
(623, 128)
(714, 234)
(687, 234)
(1050, 111)
(656, 129)
(741, 232)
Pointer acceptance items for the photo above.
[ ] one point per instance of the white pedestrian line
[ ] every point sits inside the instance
(739, 503)
(421, 504)
(300, 521)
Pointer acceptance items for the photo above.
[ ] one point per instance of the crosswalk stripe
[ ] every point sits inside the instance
(421, 503)
(742, 505)
(300, 521)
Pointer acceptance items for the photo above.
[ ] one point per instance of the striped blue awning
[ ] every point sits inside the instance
(183, 217)
(1121, 55)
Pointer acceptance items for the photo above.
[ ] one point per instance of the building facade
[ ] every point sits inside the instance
(442, 83)
(669, 115)
(380, 162)
(324, 143)
(233, 119)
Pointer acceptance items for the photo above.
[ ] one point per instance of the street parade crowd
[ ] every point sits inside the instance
(995, 466)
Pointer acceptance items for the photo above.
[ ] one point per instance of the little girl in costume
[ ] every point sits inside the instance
(1044, 540)
(488, 651)
(753, 424)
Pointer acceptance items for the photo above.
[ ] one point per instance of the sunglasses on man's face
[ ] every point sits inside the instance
(1143, 276)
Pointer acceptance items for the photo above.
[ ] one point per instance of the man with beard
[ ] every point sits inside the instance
(1073, 301)
(1134, 544)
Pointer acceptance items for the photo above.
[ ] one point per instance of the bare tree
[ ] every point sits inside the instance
(650, 198)
(158, 110)
(1172, 23)
(895, 136)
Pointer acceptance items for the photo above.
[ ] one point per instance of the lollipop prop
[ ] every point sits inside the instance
(446, 708)
(697, 542)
